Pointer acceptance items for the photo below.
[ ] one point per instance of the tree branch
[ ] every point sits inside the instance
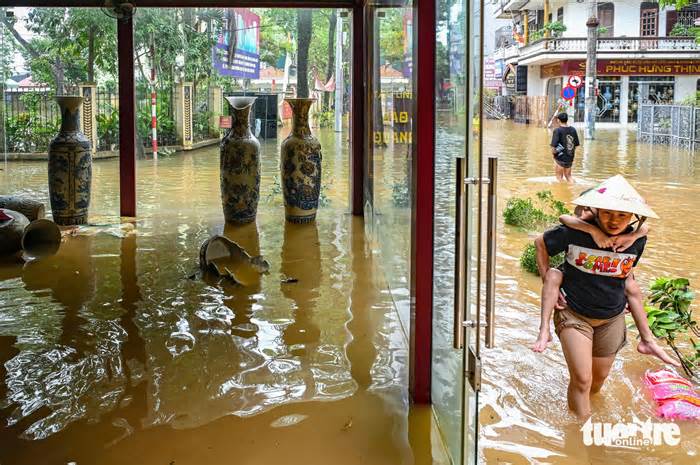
(20, 40)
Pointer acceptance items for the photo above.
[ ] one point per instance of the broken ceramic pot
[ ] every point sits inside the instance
(226, 258)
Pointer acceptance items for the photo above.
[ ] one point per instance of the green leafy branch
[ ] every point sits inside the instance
(670, 317)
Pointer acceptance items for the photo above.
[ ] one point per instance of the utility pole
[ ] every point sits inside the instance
(339, 73)
(591, 63)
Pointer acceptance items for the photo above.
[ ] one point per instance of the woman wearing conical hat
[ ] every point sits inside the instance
(589, 319)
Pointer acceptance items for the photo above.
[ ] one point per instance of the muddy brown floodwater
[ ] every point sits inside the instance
(524, 418)
(113, 355)
(110, 354)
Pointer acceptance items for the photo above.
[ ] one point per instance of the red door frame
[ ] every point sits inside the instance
(423, 170)
(423, 147)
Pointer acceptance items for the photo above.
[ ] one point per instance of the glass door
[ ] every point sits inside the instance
(463, 249)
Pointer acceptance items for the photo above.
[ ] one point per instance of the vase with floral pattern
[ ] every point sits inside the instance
(301, 166)
(240, 165)
(70, 167)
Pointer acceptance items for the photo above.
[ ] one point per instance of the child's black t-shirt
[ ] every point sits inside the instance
(567, 137)
(594, 278)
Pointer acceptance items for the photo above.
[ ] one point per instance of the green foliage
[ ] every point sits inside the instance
(693, 100)
(678, 4)
(165, 124)
(200, 124)
(27, 133)
(325, 119)
(681, 30)
(526, 214)
(670, 317)
(555, 28)
(108, 128)
(528, 259)
(602, 30)
(534, 36)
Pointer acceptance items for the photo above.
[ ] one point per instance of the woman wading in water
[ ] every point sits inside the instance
(589, 319)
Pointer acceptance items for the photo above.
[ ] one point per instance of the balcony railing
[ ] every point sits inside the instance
(613, 44)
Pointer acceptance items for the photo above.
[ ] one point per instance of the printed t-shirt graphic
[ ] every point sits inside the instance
(594, 278)
(600, 262)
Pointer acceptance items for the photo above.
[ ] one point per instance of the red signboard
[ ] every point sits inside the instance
(224, 122)
(622, 68)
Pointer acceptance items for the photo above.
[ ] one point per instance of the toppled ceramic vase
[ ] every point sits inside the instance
(226, 258)
(37, 238)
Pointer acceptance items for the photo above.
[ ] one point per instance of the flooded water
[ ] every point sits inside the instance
(524, 418)
(115, 351)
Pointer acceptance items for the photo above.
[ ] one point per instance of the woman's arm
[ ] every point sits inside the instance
(542, 256)
(601, 239)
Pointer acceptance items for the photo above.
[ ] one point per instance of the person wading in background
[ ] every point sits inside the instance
(564, 143)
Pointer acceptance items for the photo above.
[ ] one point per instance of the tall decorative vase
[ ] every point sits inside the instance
(70, 167)
(301, 166)
(240, 165)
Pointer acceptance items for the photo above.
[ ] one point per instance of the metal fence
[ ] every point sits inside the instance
(675, 125)
(32, 119)
(201, 116)
(165, 116)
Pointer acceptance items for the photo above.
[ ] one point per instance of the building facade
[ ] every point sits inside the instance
(645, 53)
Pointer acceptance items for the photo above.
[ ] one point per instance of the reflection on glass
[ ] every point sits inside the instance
(451, 138)
(388, 180)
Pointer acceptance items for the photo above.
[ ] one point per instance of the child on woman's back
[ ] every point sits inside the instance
(552, 295)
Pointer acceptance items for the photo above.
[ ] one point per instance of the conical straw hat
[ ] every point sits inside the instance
(616, 194)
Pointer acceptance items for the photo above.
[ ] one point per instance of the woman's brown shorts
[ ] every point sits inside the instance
(608, 336)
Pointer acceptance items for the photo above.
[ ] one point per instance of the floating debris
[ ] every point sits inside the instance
(288, 420)
(228, 259)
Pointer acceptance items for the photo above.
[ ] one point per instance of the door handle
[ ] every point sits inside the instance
(460, 257)
(491, 214)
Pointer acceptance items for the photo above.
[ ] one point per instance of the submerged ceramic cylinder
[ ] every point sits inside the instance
(70, 167)
(12, 226)
(301, 166)
(240, 165)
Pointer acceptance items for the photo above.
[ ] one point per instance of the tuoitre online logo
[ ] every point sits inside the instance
(634, 434)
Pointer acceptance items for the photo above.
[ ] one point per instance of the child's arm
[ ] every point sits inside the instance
(601, 239)
(624, 241)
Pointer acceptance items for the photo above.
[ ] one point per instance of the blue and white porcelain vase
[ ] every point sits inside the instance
(301, 166)
(240, 165)
(70, 167)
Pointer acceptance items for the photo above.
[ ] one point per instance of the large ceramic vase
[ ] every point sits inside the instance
(301, 166)
(70, 167)
(240, 165)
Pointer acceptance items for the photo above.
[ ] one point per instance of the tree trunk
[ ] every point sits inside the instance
(331, 58)
(304, 22)
(91, 55)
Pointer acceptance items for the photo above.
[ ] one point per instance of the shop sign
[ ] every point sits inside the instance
(237, 51)
(498, 64)
(509, 78)
(622, 68)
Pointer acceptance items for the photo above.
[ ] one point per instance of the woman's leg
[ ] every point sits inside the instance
(601, 369)
(578, 351)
